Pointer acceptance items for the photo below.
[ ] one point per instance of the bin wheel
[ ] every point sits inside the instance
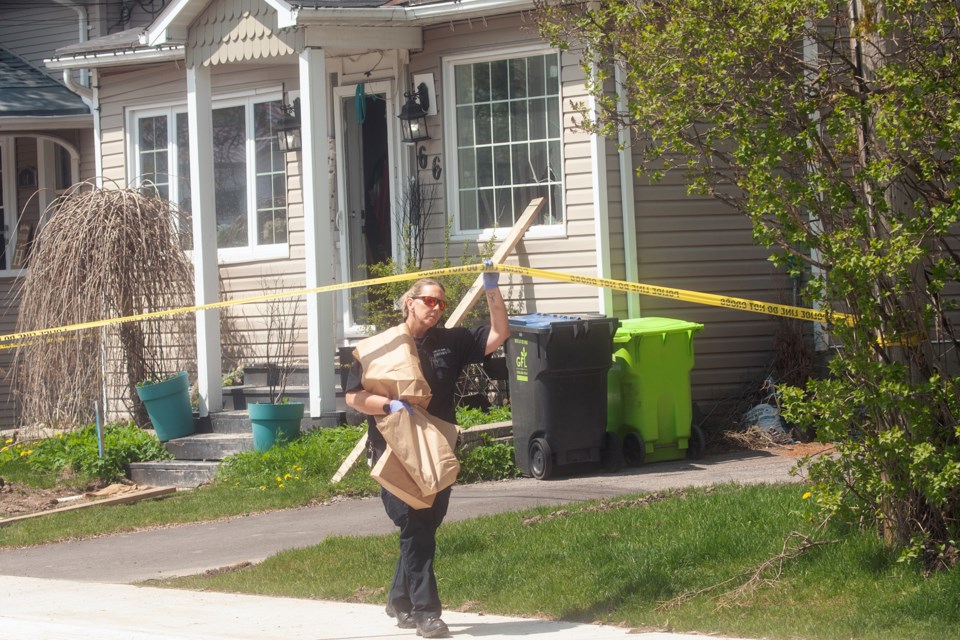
(634, 449)
(541, 459)
(696, 444)
(611, 459)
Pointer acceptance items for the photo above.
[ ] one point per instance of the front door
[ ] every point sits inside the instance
(365, 177)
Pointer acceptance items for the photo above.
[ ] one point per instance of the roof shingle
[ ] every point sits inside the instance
(28, 91)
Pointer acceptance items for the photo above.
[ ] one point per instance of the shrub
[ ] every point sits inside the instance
(41, 462)
(489, 461)
(314, 455)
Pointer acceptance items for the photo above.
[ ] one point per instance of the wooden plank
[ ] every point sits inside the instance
(506, 248)
(350, 461)
(153, 492)
(469, 299)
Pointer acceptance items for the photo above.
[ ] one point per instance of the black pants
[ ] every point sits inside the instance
(414, 586)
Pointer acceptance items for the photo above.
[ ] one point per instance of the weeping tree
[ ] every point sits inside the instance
(103, 253)
(834, 126)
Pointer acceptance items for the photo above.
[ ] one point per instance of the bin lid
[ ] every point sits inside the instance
(649, 326)
(541, 321)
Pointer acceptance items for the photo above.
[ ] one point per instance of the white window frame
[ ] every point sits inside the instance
(252, 251)
(9, 177)
(451, 152)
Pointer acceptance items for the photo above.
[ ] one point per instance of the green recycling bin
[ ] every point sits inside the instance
(557, 369)
(649, 403)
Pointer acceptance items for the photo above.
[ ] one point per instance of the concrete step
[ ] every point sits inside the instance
(177, 473)
(210, 446)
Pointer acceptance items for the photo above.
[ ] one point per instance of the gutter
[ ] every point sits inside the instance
(83, 88)
(118, 58)
(420, 15)
(434, 13)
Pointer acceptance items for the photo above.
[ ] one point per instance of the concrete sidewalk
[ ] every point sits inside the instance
(40, 609)
(80, 590)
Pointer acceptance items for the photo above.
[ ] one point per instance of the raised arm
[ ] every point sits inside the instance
(499, 324)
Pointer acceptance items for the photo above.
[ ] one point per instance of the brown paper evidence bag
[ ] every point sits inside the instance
(419, 460)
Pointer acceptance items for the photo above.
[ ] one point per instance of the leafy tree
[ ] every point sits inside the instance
(835, 127)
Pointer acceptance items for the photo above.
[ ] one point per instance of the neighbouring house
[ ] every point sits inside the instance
(47, 131)
(192, 104)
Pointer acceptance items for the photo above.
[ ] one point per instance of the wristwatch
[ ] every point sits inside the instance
(386, 408)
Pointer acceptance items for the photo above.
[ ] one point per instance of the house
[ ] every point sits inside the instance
(47, 131)
(193, 102)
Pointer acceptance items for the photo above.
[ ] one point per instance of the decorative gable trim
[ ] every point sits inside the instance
(237, 31)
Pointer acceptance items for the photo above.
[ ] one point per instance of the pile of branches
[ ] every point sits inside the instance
(103, 253)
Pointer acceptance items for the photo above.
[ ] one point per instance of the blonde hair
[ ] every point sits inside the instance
(415, 289)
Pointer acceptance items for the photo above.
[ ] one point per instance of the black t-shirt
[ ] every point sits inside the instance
(443, 355)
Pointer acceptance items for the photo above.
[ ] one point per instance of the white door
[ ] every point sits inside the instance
(366, 179)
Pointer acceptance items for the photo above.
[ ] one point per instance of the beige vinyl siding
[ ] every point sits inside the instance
(244, 326)
(574, 249)
(700, 244)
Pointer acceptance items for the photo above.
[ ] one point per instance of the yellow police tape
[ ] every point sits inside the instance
(729, 302)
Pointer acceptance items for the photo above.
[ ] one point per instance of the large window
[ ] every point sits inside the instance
(249, 172)
(507, 132)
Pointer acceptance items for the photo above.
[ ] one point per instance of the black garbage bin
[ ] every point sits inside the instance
(558, 390)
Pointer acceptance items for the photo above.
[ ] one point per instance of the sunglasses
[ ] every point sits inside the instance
(432, 302)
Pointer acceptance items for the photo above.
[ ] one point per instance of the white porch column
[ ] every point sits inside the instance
(206, 282)
(318, 231)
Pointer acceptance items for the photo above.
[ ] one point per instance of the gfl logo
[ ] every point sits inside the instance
(522, 359)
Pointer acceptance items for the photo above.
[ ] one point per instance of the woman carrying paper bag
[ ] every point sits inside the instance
(406, 378)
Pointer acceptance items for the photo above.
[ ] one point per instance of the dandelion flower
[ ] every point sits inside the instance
(8, 441)
(807, 495)
(280, 485)
(287, 476)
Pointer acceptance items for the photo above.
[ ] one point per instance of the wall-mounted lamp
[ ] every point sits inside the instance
(288, 132)
(413, 115)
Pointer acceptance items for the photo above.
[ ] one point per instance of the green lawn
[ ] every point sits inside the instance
(629, 561)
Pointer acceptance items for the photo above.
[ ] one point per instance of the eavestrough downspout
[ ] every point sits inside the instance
(601, 206)
(627, 200)
(83, 88)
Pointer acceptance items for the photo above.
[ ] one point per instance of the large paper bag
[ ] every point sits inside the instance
(419, 460)
(391, 475)
(425, 446)
(391, 366)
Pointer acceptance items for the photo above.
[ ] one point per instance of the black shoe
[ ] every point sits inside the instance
(404, 619)
(432, 628)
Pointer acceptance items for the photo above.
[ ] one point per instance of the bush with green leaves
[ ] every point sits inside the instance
(469, 417)
(489, 461)
(833, 128)
(315, 455)
(42, 462)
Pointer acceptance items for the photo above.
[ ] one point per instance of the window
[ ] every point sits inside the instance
(155, 145)
(507, 136)
(249, 171)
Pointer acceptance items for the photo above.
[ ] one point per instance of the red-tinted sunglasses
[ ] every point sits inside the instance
(432, 302)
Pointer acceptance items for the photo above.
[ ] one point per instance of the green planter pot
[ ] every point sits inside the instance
(273, 422)
(168, 405)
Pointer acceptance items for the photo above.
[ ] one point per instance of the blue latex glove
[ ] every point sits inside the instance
(491, 279)
(399, 405)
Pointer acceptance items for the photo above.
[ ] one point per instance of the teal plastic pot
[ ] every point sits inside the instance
(168, 405)
(274, 422)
